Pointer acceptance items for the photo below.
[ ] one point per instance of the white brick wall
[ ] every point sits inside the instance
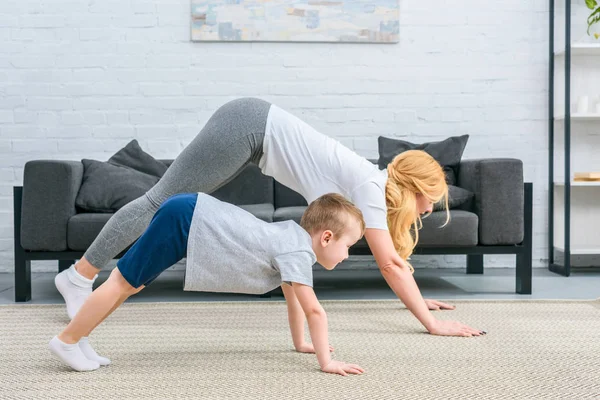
(79, 79)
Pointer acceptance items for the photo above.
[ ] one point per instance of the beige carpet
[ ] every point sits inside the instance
(534, 350)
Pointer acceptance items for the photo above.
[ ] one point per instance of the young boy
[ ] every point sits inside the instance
(228, 250)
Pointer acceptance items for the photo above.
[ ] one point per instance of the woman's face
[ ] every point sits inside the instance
(423, 204)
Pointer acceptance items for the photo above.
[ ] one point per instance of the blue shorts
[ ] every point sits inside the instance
(162, 244)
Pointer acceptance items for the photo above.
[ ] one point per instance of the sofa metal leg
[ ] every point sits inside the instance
(22, 279)
(474, 263)
(525, 256)
(22, 264)
(64, 264)
(524, 269)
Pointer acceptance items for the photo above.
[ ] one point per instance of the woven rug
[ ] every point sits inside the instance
(242, 350)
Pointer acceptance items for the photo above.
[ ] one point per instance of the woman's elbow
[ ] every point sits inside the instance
(391, 268)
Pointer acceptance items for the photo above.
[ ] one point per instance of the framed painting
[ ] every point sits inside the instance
(371, 21)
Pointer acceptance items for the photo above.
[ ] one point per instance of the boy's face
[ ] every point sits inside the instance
(330, 250)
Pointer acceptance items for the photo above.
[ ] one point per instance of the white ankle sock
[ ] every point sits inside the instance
(90, 353)
(74, 288)
(77, 279)
(72, 355)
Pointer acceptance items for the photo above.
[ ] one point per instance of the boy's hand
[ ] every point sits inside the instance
(438, 305)
(454, 328)
(341, 368)
(309, 348)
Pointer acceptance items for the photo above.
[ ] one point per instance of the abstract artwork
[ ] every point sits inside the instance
(372, 21)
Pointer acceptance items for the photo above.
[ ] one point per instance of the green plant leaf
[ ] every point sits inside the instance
(595, 12)
(591, 4)
(592, 19)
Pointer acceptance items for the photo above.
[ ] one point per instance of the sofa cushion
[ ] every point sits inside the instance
(457, 196)
(462, 230)
(134, 157)
(261, 211)
(447, 152)
(83, 228)
(285, 213)
(127, 175)
(249, 187)
(107, 187)
(286, 197)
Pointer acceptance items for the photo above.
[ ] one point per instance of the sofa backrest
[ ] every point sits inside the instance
(286, 197)
(252, 187)
(249, 187)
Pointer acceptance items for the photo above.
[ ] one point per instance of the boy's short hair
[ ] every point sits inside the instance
(331, 211)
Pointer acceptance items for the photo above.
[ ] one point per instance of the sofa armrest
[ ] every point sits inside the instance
(49, 191)
(498, 187)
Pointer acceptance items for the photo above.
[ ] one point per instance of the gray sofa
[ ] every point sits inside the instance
(48, 226)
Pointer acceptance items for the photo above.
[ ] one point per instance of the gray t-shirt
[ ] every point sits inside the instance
(230, 250)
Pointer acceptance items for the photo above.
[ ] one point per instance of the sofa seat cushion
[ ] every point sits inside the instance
(286, 213)
(83, 228)
(261, 211)
(462, 230)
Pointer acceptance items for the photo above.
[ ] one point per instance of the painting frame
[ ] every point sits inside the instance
(305, 21)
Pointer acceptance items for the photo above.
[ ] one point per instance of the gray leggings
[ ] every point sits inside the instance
(231, 138)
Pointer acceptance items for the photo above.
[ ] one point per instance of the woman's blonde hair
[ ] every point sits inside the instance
(409, 173)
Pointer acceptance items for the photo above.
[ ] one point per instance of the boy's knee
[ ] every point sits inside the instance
(121, 283)
(169, 209)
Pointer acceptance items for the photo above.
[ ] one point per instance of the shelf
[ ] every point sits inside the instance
(579, 117)
(579, 183)
(581, 49)
(580, 251)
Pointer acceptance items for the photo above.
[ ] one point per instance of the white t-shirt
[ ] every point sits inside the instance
(313, 164)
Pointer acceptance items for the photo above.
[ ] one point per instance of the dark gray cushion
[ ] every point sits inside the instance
(107, 187)
(286, 197)
(134, 157)
(447, 152)
(287, 213)
(83, 228)
(457, 196)
(499, 198)
(49, 191)
(260, 211)
(462, 230)
(249, 187)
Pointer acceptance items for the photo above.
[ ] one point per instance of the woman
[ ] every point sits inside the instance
(295, 154)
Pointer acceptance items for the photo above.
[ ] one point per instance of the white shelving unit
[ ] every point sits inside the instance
(574, 209)
(581, 49)
(580, 183)
(579, 117)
